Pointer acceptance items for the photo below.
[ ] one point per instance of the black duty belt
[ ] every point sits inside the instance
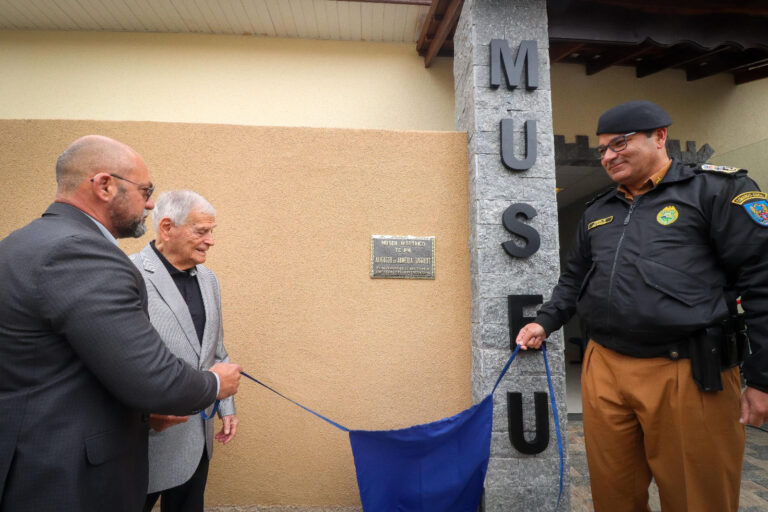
(711, 350)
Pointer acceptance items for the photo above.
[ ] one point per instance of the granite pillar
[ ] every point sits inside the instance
(515, 481)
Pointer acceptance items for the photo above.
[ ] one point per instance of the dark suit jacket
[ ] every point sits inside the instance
(79, 364)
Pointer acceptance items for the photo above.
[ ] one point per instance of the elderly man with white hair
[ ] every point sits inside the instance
(185, 308)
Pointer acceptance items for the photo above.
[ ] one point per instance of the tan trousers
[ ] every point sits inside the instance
(647, 417)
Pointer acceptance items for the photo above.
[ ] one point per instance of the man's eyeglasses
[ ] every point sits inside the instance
(146, 191)
(616, 144)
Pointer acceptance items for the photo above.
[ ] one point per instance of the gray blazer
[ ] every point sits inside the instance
(175, 453)
(79, 365)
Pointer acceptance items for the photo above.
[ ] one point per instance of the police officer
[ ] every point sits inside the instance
(654, 274)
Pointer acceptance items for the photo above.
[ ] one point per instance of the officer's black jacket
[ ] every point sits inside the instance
(642, 284)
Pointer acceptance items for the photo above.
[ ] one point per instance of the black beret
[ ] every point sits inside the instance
(633, 116)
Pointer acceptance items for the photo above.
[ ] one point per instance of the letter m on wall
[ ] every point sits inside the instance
(527, 58)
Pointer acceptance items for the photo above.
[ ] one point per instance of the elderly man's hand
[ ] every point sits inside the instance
(160, 422)
(228, 429)
(229, 378)
(531, 336)
(754, 407)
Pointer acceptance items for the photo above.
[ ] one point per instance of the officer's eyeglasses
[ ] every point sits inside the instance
(616, 144)
(146, 191)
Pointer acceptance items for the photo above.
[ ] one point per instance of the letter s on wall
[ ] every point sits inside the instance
(516, 227)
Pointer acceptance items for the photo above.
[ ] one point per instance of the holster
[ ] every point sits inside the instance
(706, 365)
(715, 349)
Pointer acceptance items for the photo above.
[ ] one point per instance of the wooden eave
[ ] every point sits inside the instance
(700, 37)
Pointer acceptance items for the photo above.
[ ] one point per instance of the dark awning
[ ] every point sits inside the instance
(700, 37)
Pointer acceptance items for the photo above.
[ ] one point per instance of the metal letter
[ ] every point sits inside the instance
(513, 225)
(526, 54)
(515, 417)
(508, 157)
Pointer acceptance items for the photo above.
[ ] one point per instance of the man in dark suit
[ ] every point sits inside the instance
(80, 363)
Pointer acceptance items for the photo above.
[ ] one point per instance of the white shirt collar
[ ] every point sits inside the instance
(103, 230)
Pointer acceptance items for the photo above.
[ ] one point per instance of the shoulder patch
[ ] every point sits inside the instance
(754, 202)
(720, 168)
(749, 196)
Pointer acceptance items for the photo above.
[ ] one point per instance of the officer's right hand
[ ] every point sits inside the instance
(531, 336)
(754, 407)
(229, 378)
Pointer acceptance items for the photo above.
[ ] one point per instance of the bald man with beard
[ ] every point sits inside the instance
(81, 365)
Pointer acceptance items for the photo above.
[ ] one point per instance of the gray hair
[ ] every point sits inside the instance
(177, 205)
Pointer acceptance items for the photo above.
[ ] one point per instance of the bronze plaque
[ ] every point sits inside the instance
(402, 257)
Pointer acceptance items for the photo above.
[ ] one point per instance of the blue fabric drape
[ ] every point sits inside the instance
(435, 467)
(438, 466)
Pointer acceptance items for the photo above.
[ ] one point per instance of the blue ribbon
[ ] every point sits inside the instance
(213, 412)
(557, 423)
(554, 410)
(506, 367)
(337, 425)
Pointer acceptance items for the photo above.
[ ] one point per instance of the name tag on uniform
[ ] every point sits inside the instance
(599, 222)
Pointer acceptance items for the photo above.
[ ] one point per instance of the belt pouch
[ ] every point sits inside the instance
(704, 350)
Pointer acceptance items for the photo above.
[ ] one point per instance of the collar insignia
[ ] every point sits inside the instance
(599, 222)
(667, 215)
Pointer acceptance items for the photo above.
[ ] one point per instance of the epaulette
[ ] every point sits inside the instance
(721, 169)
(600, 194)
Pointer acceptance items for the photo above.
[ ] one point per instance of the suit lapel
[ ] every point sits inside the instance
(211, 312)
(167, 290)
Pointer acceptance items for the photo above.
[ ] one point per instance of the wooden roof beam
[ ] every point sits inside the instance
(560, 50)
(616, 57)
(750, 74)
(427, 30)
(691, 7)
(724, 63)
(451, 9)
(678, 58)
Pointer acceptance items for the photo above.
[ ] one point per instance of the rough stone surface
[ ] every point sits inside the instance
(515, 481)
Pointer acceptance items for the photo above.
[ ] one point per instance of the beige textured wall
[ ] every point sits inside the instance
(296, 209)
(247, 80)
(262, 81)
